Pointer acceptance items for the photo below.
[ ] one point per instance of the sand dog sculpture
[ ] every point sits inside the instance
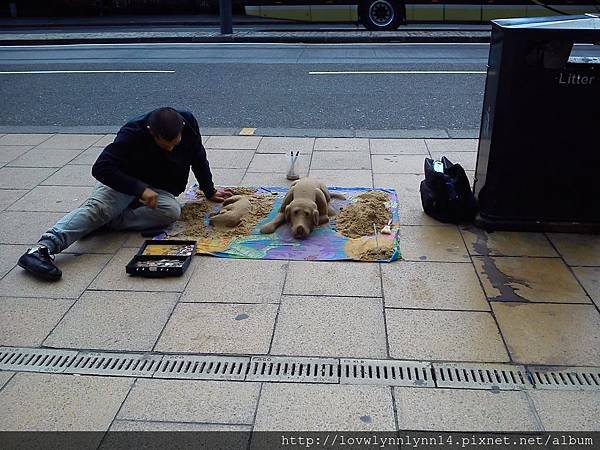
(230, 215)
(305, 206)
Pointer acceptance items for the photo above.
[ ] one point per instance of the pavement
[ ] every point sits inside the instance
(204, 28)
(458, 295)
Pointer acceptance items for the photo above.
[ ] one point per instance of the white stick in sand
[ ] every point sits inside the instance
(376, 240)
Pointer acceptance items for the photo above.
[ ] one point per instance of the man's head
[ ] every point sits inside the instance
(165, 126)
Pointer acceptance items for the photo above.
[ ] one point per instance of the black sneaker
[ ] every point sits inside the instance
(38, 261)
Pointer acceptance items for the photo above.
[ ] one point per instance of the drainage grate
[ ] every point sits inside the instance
(389, 373)
(504, 377)
(300, 370)
(203, 367)
(35, 359)
(569, 378)
(117, 364)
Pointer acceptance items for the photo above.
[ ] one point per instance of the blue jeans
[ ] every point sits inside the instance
(113, 209)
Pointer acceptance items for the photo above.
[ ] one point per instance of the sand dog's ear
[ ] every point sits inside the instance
(287, 213)
(316, 217)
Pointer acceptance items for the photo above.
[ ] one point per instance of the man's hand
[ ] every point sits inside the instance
(149, 198)
(221, 195)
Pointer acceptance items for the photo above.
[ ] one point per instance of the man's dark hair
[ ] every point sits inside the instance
(166, 123)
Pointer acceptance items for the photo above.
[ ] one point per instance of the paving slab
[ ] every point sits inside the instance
(567, 410)
(432, 285)
(341, 160)
(71, 141)
(10, 196)
(398, 163)
(452, 145)
(507, 243)
(257, 179)
(589, 277)
(354, 279)
(343, 178)
(9, 254)
(444, 335)
(78, 273)
(229, 159)
(432, 243)
(468, 160)
(219, 328)
(550, 334)
(88, 157)
(52, 199)
(226, 177)
(100, 242)
(45, 157)
(105, 140)
(71, 175)
(31, 139)
(102, 320)
(576, 249)
(23, 177)
(330, 326)
(114, 278)
(234, 142)
(49, 402)
(11, 152)
(247, 281)
(278, 163)
(399, 147)
(219, 402)
(286, 145)
(25, 227)
(341, 144)
(463, 410)
(528, 280)
(293, 407)
(26, 321)
(5, 378)
(409, 197)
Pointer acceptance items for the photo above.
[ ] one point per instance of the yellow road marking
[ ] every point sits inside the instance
(247, 131)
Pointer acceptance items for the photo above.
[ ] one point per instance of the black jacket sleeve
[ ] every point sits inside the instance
(200, 165)
(109, 169)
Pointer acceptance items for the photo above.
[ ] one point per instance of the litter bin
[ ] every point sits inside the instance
(538, 161)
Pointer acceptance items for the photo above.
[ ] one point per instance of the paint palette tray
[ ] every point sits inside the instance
(164, 258)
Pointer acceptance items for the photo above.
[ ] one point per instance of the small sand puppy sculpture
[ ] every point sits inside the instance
(230, 215)
(305, 206)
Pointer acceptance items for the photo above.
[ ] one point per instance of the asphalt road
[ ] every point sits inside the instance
(431, 86)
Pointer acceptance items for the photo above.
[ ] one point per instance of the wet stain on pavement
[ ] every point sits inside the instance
(241, 316)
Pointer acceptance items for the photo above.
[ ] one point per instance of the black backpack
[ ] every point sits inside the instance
(447, 196)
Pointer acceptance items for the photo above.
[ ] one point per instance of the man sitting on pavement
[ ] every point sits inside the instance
(139, 175)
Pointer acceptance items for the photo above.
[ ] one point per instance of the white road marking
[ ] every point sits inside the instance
(83, 71)
(400, 72)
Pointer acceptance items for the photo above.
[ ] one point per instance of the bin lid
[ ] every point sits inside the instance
(579, 22)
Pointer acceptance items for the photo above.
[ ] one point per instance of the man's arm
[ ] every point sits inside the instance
(200, 165)
(108, 169)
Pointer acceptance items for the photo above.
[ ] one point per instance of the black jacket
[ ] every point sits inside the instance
(134, 162)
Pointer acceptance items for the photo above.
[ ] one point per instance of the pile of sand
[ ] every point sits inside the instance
(357, 219)
(194, 213)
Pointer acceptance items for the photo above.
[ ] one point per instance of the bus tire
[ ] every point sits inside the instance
(381, 15)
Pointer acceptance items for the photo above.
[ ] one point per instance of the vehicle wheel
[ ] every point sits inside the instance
(381, 14)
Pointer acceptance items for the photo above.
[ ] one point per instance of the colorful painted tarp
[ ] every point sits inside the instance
(325, 243)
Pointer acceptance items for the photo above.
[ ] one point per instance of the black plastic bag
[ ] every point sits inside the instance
(447, 196)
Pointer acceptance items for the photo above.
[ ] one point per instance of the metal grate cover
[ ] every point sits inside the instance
(389, 373)
(203, 367)
(117, 364)
(300, 370)
(35, 359)
(481, 376)
(565, 378)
